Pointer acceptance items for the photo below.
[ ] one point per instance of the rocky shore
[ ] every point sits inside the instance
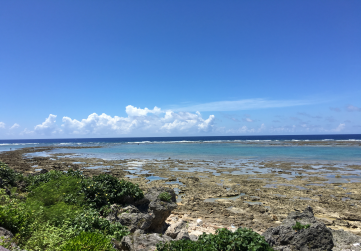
(229, 193)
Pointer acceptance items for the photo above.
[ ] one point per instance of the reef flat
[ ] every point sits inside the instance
(238, 192)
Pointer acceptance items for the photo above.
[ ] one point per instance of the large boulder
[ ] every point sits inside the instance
(161, 209)
(317, 237)
(148, 214)
(142, 242)
(131, 217)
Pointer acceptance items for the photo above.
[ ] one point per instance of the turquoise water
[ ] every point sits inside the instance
(217, 151)
(274, 147)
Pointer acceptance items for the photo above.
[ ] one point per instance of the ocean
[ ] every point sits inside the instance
(304, 148)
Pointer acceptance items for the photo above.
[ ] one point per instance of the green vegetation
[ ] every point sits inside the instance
(62, 210)
(87, 241)
(299, 226)
(165, 196)
(8, 176)
(242, 239)
(105, 189)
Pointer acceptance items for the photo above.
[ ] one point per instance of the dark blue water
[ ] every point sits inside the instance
(195, 138)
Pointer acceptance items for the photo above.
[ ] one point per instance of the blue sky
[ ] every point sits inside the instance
(157, 68)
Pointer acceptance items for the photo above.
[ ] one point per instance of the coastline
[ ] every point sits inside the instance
(247, 193)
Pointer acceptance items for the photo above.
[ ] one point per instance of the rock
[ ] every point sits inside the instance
(317, 237)
(143, 242)
(345, 240)
(131, 217)
(6, 234)
(174, 229)
(193, 237)
(161, 209)
(183, 235)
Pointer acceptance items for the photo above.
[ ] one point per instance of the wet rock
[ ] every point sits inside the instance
(143, 242)
(317, 237)
(161, 209)
(174, 229)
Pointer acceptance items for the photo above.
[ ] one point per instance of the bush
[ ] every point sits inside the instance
(165, 196)
(38, 179)
(88, 241)
(8, 176)
(90, 221)
(48, 237)
(105, 189)
(224, 240)
(58, 199)
(299, 226)
(14, 216)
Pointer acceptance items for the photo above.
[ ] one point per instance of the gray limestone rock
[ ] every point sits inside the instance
(131, 217)
(317, 237)
(143, 242)
(161, 209)
(183, 235)
(174, 229)
(6, 233)
(344, 240)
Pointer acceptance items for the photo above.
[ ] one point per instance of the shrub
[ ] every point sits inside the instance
(299, 226)
(14, 216)
(90, 221)
(88, 241)
(105, 189)
(8, 176)
(36, 180)
(165, 196)
(242, 240)
(58, 199)
(48, 237)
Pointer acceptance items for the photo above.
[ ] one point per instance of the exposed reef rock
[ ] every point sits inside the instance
(317, 237)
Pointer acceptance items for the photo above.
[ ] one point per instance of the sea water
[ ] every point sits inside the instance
(278, 148)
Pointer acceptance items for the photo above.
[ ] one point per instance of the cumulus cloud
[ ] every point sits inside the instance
(2, 125)
(16, 125)
(352, 108)
(134, 111)
(139, 121)
(47, 127)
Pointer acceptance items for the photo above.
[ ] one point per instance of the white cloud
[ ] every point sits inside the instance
(134, 111)
(47, 127)
(2, 125)
(138, 122)
(244, 104)
(248, 120)
(339, 128)
(352, 108)
(247, 130)
(16, 125)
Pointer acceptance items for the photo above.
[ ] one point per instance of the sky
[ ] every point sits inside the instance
(86, 68)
